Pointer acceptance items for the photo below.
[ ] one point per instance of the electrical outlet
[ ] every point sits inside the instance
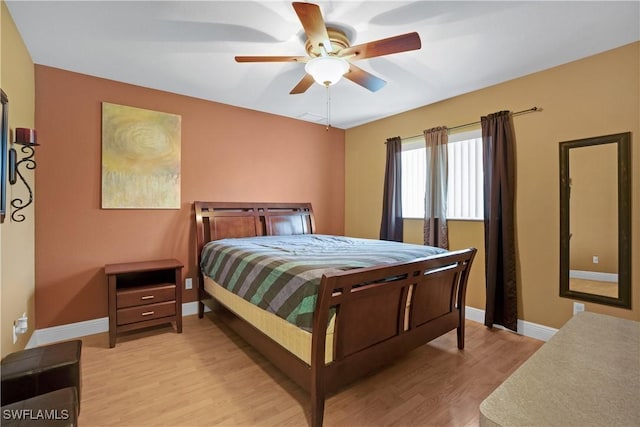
(577, 307)
(596, 259)
(188, 283)
(20, 326)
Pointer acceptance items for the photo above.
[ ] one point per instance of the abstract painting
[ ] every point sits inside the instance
(140, 158)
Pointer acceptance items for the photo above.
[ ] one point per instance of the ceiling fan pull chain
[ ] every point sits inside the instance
(328, 107)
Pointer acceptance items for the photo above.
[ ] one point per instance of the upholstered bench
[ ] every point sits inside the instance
(40, 370)
(54, 409)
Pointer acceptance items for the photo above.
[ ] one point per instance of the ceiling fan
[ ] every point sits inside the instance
(330, 54)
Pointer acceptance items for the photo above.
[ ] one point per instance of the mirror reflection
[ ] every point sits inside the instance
(595, 220)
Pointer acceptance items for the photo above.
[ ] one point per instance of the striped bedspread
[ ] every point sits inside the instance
(281, 274)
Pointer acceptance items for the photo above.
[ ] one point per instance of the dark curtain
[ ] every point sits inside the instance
(436, 232)
(391, 227)
(499, 232)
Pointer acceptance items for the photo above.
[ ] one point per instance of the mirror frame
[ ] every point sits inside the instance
(4, 130)
(624, 219)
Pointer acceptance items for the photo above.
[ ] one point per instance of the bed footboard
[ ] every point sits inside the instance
(382, 313)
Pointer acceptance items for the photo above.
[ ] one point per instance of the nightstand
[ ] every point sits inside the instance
(143, 294)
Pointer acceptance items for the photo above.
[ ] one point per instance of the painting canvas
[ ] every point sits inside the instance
(140, 158)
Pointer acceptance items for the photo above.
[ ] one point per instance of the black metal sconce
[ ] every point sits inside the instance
(27, 138)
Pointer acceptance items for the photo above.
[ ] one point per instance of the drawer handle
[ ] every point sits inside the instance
(147, 313)
(147, 297)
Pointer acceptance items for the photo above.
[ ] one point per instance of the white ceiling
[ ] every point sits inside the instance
(189, 47)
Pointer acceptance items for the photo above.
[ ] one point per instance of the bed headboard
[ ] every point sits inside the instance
(219, 220)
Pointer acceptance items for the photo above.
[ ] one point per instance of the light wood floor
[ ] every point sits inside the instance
(208, 376)
(608, 289)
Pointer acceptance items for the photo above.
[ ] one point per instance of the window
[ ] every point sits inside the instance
(465, 188)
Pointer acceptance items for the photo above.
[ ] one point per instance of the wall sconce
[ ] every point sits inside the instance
(27, 138)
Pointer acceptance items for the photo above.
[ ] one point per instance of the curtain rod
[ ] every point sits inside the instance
(478, 122)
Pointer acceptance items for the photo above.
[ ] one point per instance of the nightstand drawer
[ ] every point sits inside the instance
(144, 295)
(146, 312)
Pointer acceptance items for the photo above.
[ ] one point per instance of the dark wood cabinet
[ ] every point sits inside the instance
(143, 294)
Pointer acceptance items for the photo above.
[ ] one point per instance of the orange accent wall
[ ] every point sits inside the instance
(228, 154)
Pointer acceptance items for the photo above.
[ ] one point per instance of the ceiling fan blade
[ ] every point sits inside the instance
(401, 43)
(313, 24)
(303, 85)
(272, 58)
(364, 78)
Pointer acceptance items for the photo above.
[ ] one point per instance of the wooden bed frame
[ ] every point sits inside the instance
(372, 326)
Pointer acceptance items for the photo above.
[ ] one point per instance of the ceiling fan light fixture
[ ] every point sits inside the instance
(327, 70)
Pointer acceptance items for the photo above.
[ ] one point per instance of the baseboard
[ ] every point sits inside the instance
(528, 329)
(474, 314)
(593, 275)
(98, 326)
(88, 327)
(191, 308)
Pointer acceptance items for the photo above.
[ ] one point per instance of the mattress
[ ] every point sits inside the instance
(294, 339)
(282, 274)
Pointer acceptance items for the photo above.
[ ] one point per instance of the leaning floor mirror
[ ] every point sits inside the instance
(595, 220)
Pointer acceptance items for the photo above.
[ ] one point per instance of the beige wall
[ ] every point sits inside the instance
(594, 96)
(17, 239)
